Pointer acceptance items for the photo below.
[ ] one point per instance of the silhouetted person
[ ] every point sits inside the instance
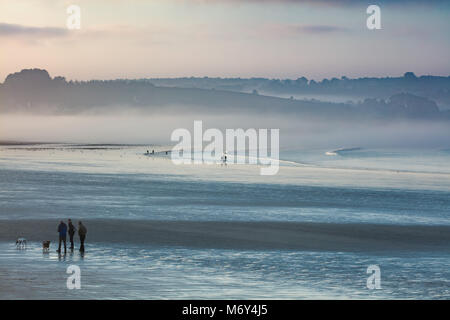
(82, 233)
(62, 229)
(71, 234)
(224, 159)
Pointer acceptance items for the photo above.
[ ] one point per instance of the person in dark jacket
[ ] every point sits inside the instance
(71, 233)
(82, 233)
(62, 230)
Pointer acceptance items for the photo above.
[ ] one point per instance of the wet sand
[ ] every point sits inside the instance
(306, 236)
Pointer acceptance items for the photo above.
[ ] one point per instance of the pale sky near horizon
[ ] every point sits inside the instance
(224, 38)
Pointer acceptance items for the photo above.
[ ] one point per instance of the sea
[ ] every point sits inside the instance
(123, 189)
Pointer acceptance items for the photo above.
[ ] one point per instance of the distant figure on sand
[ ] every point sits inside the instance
(62, 229)
(224, 159)
(82, 233)
(71, 233)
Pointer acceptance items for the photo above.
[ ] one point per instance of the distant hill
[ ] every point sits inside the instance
(34, 91)
(432, 87)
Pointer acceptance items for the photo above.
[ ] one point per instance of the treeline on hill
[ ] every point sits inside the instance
(33, 90)
(432, 87)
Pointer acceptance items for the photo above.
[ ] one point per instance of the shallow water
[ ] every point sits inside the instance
(136, 272)
(391, 187)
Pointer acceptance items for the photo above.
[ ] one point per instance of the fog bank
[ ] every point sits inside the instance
(136, 128)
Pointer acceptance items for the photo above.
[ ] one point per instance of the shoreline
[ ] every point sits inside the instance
(299, 236)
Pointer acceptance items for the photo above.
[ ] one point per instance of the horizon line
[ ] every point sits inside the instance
(232, 78)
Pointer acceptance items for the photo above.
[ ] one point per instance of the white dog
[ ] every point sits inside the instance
(46, 245)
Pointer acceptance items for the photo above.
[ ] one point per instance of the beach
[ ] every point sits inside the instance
(304, 236)
(161, 231)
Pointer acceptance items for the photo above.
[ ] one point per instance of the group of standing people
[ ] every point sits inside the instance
(63, 230)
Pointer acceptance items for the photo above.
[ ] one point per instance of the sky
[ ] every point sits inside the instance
(224, 38)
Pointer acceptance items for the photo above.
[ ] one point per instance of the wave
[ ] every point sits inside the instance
(341, 150)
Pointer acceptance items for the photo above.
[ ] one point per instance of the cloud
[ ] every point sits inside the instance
(32, 35)
(297, 29)
(17, 30)
(317, 29)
